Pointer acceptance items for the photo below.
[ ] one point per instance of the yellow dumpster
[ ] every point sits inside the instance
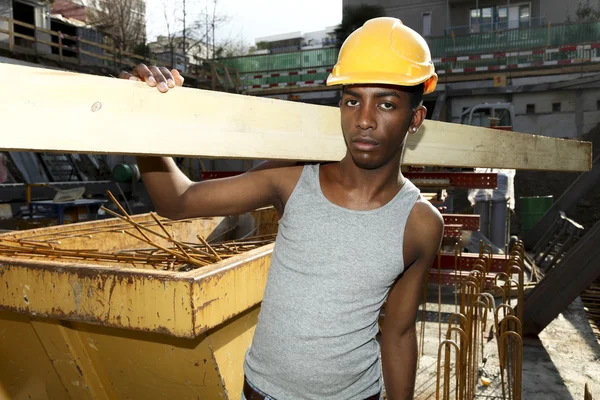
(91, 311)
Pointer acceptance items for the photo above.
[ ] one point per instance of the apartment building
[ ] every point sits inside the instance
(456, 17)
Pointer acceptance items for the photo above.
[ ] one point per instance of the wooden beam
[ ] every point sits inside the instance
(75, 113)
(565, 281)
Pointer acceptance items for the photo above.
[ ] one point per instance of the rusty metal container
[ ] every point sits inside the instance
(81, 329)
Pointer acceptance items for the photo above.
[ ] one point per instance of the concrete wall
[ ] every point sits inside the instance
(558, 11)
(544, 121)
(411, 12)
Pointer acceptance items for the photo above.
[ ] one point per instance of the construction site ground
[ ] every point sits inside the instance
(556, 365)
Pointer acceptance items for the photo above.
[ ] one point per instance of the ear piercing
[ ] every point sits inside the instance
(414, 129)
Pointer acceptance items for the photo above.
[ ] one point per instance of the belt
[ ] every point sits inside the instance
(251, 394)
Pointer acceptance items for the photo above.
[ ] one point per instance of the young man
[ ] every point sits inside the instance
(352, 233)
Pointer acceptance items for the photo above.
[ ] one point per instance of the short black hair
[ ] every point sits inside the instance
(416, 94)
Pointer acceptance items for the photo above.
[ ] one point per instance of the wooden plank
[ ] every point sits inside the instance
(100, 45)
(115, 116)
(565, 281)
(20, 35)
(95, 55)
(23, 24)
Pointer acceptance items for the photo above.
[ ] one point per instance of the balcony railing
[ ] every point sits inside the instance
(516, 39)
(67, 49)
(509, 49)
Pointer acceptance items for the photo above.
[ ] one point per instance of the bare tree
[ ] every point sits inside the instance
(191, 31)
(213, 21)
(231, 47)
(171, 25)
(181, 35)
(122, 20)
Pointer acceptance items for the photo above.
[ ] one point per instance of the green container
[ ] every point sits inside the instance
(532, 209)
(125, 173)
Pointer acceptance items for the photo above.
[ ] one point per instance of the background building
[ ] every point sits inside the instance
(169, 51)
(294, 41)
(438, 17)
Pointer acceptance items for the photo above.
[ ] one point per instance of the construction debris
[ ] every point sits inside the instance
(179, 256)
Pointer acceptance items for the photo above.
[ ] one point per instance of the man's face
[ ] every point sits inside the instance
(375, 121)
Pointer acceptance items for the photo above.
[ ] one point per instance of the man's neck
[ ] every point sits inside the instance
(370, 183)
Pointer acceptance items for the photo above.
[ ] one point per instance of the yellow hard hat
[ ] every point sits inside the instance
(384, 51)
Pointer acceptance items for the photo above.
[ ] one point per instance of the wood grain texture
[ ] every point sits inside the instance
(55, 111)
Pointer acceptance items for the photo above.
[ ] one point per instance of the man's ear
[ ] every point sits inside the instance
(418, 118)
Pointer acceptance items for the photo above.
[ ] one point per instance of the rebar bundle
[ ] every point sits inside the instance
(175, 256)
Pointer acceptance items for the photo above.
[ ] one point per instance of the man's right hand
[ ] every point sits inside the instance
(159, 77)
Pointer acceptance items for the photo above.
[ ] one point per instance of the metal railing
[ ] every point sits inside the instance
(66, 48)
(516, 39)
(535, 45)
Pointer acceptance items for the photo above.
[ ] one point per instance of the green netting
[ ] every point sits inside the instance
(515, 39)
(284, 61)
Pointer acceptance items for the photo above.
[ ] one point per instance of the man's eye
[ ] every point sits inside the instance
(387, 106)
(351, 103)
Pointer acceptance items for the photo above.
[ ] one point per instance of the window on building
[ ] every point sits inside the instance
(427, 24)
(487, 19)
(474, 20)
(502, 18)
(530, 109)
(597, 104)
(556, 107)
(482, 20)
(524, 16)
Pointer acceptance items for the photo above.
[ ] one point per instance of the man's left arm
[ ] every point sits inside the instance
(423, 235)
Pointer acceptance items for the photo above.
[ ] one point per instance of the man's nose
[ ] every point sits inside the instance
(366, 119)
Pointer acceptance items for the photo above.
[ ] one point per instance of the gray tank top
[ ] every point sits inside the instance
(331, 271)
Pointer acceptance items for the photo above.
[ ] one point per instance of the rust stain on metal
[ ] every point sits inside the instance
(191, 299)
(205, 304)
(81, 291)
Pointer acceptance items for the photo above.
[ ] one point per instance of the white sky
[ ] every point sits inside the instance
(250, 19)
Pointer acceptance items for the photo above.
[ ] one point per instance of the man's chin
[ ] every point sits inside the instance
(366, 163)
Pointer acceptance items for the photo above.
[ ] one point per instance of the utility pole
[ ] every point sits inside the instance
(213, 28)
(207, 37)
(184, 41)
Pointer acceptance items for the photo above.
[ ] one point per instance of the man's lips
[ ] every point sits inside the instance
(365, 144)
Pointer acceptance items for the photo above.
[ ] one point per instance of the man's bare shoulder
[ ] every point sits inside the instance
(424, 213)
(424, 228)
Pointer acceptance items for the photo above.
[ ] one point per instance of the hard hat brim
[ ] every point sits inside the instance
(375, 78)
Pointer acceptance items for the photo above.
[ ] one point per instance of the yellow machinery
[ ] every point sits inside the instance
(83, 318)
